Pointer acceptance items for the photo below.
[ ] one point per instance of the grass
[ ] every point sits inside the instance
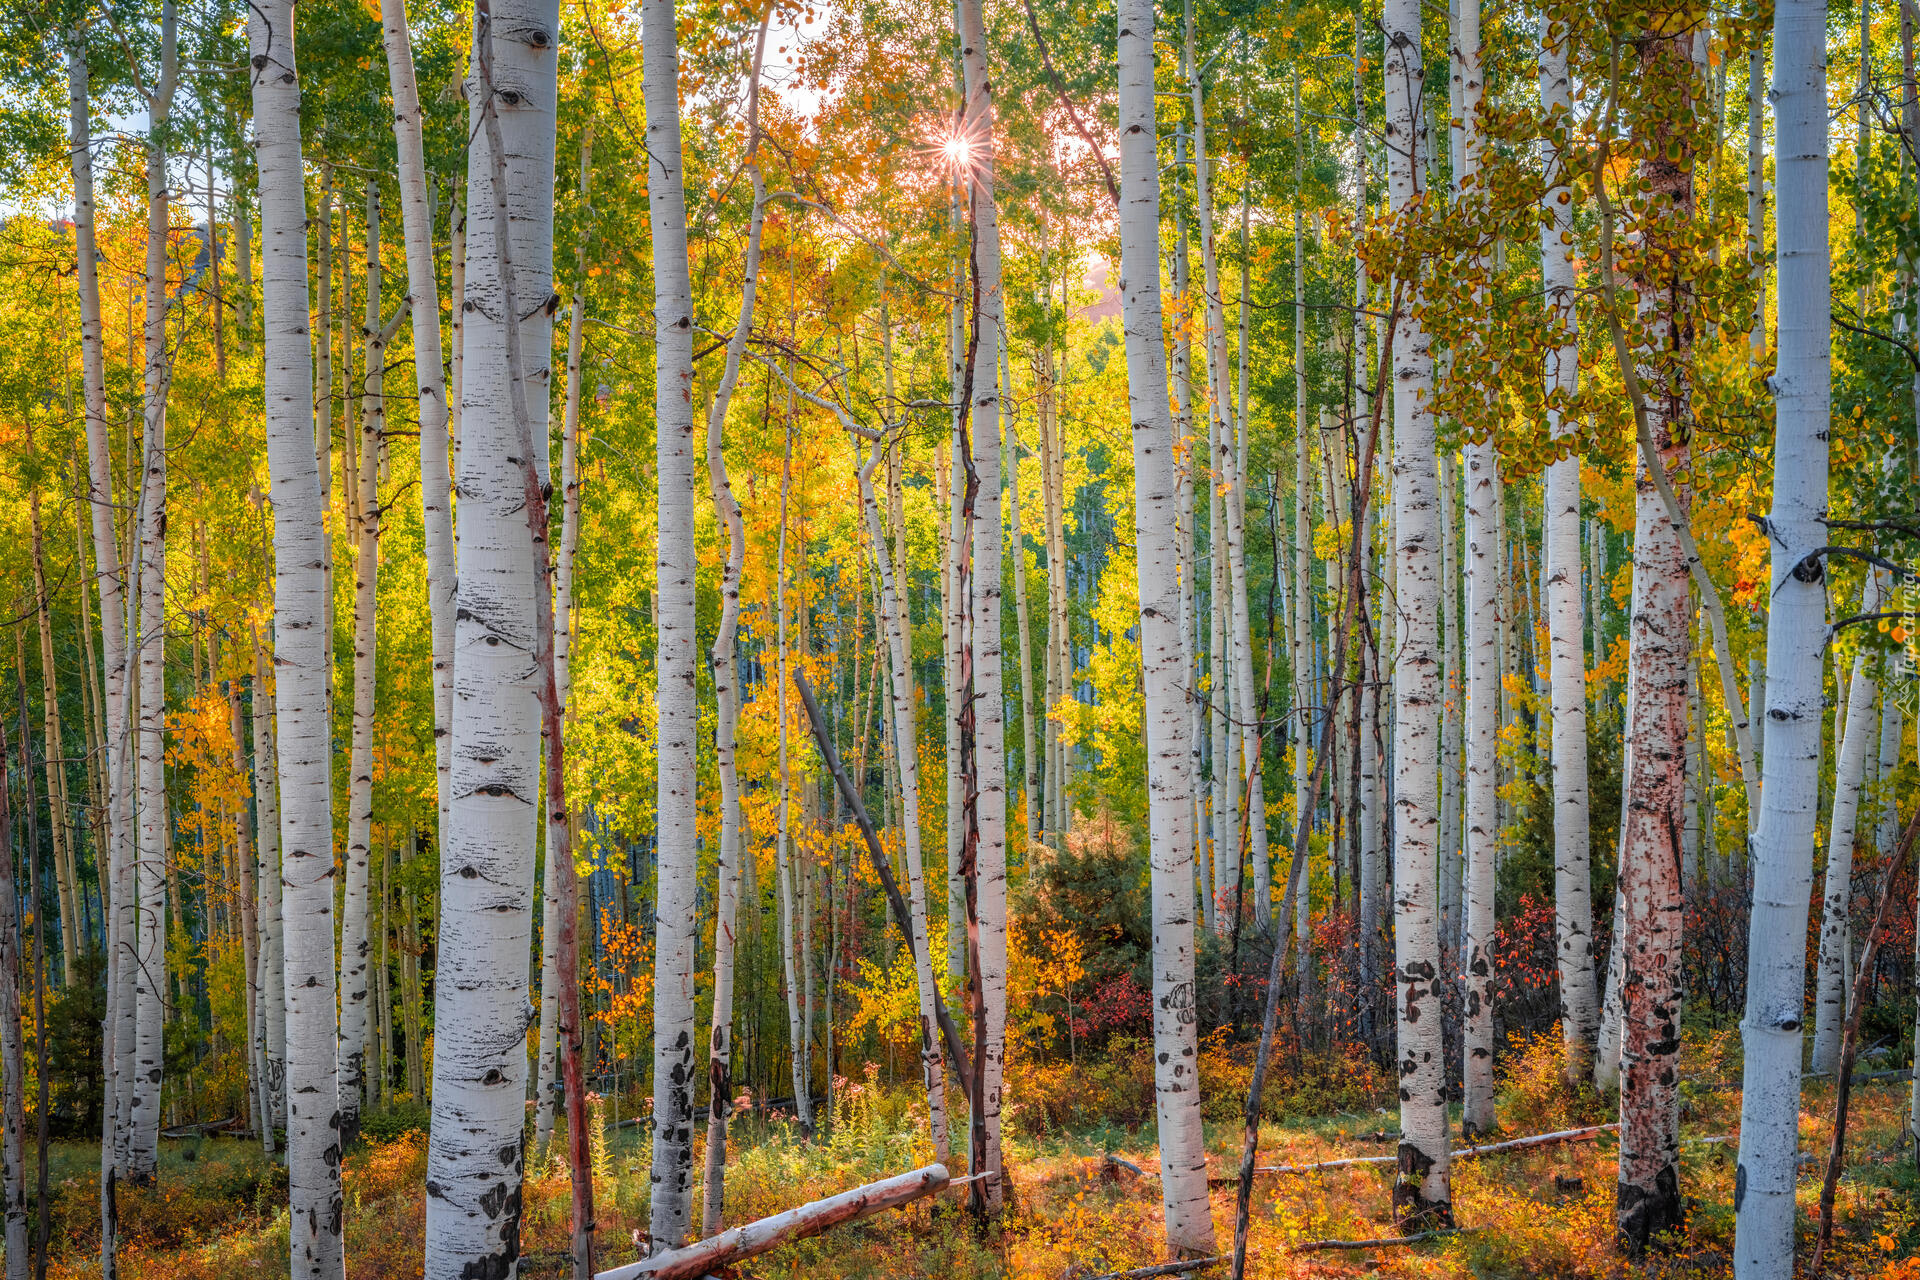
(218, 1210)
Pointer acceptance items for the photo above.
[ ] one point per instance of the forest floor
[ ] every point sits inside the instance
(218, 1211)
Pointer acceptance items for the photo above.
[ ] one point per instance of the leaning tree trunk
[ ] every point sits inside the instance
(302, 736)
(474, 1158)
(149, 980)
(1422, 1194)
(423, 288)
(679, 716)
(1849, 772)
(990, 711)
(1183, 1157)
(1782, 844)
(1573, 887)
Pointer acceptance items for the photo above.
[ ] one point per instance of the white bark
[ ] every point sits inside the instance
(1782, 844)
(423, 288)
(266, 804)
(1423, 1189)
(481, 1013)
(299, 656)
(149, 980)
(112, 862)
(13, 1074)
(990, 705)
(1849, 776)
(1183, 1159)
(1573, 886)
(354, 933)
(724, 664)
(905, 736)
(783, 854)
(679, 719)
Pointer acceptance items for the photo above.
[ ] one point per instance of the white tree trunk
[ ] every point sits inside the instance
(113, 861)
(988, 536)
(149, 982)
(1849, 775)
(1782, 844)
(474, 1149)
(547, 1079)
(302, 737)
(266, 804)
(1482, 815)
(13, 1073)
(355, 937)
(1566, 624)
(783, 853)
(423, 288)
(1422, 1193)
(679, 717)
(906, 737)
(1183, 1159)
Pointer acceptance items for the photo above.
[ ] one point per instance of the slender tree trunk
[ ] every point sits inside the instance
(784, 854)
(423, 289)
(487, 863)
(364, 516)
(150, 930)
(13, 1113)
(679, 721)
(724, 663)
(302, 747)
(1850, 759)
(1782, 844)
(1573, 877)
(1183, 1161)
(65, 855)
(988, 407)
(267, 880)
(1422, 1193)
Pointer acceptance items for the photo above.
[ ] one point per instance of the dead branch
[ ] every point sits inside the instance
(1385, 1242)
(1162, 1269)
(751, 1239)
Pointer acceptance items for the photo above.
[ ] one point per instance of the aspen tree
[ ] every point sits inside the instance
(423, 290)
(151, 780)
(1183, 1161)
(1849, 771)
(481, 1012)
(1782, 843)
(724, 663)
(304, 750)
(1422, 1193)
(1573, 888)
(271, 994)
(13, 1072)
(984, 580)
(679, 721)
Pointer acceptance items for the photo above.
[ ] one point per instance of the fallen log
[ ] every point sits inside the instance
(1460, 1153)
(751, 1239)
(1161, 1269)
(1385, 1242)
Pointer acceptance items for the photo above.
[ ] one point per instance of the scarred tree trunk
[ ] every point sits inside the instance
(271, 995)
(299, 657)
(1183, 1160)
(679, 719)
(1660, 659)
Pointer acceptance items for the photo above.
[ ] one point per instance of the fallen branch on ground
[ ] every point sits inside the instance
(1162, 1269)
(1385, 1242)
(1460, 1153)
(751, 1239)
